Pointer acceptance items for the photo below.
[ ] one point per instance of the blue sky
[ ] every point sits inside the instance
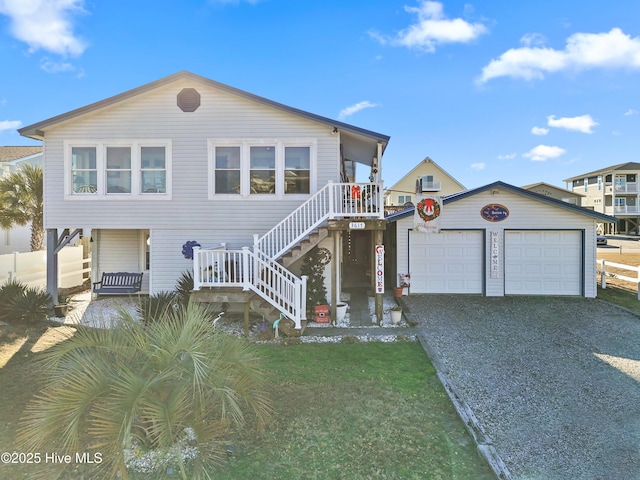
(491, 90)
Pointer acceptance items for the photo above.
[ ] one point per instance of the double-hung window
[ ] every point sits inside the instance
(118, 169)
(261, 168)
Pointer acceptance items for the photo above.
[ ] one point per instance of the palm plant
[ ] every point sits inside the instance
(177, 385)
(21, 202)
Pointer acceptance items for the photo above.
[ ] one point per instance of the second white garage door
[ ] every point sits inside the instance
(447, 262)
(543, 262)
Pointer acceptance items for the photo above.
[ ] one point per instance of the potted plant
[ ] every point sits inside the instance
(396, 314)
(61, 309)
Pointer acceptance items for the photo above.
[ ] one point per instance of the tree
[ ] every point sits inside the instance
(22, 202)
(146, 398)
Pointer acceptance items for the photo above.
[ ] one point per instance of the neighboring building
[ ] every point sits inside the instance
(429, 175)
(562, 194)
(499, 240)
(17, 239)
(613, 190)
(187, 161)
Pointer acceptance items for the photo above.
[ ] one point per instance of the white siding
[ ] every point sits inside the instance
(118, 251)
(524, 213)
(156, 116)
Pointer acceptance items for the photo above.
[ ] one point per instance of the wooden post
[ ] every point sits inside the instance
(246, 319)
(378, 239)
(52, 265)
(334, 278)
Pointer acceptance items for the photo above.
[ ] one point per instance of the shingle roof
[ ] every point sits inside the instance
(37, 129)
(8, 154)
(520, 191)
(620, 166)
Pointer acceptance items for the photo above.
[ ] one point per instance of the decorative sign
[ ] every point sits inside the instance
(187, 249)
(356, 225)
(495, 254)
(427, 214)
(379, 251)
(324, 255)
(494, 212)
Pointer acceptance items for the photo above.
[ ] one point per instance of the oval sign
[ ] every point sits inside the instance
(494, 212)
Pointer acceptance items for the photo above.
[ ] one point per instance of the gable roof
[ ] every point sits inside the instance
(37, 130)
(517, 190)
(548, 185)
(417, 167)
(620, 166)
(8, 154)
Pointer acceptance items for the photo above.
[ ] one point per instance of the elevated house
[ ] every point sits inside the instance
(186, 173)
(427, 177)
(17, 239)
(614, 191)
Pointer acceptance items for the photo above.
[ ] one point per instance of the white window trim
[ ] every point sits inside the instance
(101, 167)
(245, 145)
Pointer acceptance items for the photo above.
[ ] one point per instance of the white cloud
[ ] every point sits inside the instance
(10, 124)
(630, 112)
(539, 130)
(613, 49)
(432, 28)
(542, 153)
(45, 24)
(583, 123)
(355, 108)
(508, 156)
(478, 166)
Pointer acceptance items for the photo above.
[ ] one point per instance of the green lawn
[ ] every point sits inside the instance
(343, 411)
(624, 298)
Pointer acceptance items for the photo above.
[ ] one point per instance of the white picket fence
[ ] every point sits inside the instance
(30, 268)
(602, 271)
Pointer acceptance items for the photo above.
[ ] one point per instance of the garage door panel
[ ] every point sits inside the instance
(453, 262)
(543, 263)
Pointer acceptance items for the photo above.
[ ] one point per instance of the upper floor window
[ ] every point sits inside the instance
(402, 199)
(261, 168)
(117, 169)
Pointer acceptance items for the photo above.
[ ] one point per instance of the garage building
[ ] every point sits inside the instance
(499, 240)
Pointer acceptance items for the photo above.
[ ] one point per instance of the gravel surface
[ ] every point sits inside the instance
(554, 381)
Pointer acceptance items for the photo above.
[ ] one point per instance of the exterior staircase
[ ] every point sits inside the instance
(262, 273)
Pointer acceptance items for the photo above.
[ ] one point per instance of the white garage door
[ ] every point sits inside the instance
(446, 262)
(543, 263)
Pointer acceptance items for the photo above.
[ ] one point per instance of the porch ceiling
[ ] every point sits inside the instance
(358, 148)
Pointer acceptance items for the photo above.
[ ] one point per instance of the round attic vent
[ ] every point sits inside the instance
(188, 100)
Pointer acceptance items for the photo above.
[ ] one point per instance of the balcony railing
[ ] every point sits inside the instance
(618, 189)
(622, 210)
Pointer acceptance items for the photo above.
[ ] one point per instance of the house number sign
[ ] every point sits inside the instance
(495, 254)
(356, 225)
(379, 252)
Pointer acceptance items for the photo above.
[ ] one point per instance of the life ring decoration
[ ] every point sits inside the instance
(324, 256)
(428, 209)
(187, 249)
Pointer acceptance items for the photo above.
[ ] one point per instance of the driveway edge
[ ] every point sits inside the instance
(484, 444)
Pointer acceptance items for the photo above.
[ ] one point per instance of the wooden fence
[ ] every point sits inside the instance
(602, 271)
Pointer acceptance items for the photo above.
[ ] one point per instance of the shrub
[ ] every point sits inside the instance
(184, 287)
(154, 307)
(175, 388)
(32, 306)
(19, 303)
(9, 292)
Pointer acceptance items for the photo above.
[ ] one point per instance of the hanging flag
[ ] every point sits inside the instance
(427, 214)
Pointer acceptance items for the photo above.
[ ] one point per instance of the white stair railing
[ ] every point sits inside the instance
(258, 270)
(251, 271)
(334, 200)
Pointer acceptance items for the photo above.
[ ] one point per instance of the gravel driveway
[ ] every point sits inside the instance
(554, 381)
